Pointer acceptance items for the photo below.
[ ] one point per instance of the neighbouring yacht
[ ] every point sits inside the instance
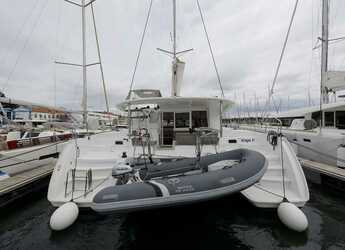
(317, 133)
(174, 152)
(20, 152)
(322, 142)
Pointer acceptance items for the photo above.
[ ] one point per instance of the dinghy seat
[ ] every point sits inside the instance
(169, 168)
(208, 162)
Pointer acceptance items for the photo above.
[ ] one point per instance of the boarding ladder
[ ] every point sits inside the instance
(75, 176)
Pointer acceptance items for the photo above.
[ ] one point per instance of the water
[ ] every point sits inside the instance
(229, 223)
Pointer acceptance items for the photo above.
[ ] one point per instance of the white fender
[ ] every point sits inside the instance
(292, 217)
(64, 216)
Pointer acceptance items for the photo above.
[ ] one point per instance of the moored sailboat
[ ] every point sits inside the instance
(174, 152)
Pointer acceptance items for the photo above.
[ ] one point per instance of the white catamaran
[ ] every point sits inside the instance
(176, 152)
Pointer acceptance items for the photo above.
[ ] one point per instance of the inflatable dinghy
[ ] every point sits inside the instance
(179, 182)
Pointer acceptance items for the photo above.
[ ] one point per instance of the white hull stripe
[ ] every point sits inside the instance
(163, 188)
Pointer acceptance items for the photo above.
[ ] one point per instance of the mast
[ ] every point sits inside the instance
(324, 53)
(83, 5)
(177, 65)
(324, 99)
(84, 65)
(174, 29)
(174, 91)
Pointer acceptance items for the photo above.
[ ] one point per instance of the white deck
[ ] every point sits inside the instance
(101, 154)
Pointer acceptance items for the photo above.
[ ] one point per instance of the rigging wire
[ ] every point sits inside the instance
(331, 42)
(271, 91)
(58, 22)
(283, 51)
(210, 48)
(141, 46)
(25, 44)
(100, 58)
(334, 7)
(311, 41)
(20, 31)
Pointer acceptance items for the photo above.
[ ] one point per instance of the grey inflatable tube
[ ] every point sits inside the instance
(174, 183)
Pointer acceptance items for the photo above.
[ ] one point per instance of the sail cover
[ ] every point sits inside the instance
(177, 77)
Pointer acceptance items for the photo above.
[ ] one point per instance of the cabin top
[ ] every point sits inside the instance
(176, 102)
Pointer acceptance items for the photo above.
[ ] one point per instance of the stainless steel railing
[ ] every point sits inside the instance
(88, 180)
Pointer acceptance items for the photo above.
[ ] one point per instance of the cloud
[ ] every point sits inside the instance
(246, 36)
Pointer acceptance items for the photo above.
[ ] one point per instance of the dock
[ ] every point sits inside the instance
(24, 183)
(327, 175)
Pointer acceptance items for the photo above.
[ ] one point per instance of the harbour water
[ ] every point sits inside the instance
(229, 223)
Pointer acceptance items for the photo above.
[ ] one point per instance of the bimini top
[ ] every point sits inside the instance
(171, 102)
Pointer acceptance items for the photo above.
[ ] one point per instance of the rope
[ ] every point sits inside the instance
(210, 48)
(265, 190)
(140, 47)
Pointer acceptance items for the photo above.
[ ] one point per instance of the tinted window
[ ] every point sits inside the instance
(182, 120)
(329, 119)
(168, 119)
(340, 119)
(199, 119)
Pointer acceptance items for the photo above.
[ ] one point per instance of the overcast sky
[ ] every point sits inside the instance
(246, 36)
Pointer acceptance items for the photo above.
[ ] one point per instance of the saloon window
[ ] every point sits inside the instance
(329, 119)
(199, 119)
(340, 119)
(182, 120)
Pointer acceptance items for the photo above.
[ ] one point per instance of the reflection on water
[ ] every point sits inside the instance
(230, 223)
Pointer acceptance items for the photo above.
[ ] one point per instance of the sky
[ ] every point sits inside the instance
(246, 36)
